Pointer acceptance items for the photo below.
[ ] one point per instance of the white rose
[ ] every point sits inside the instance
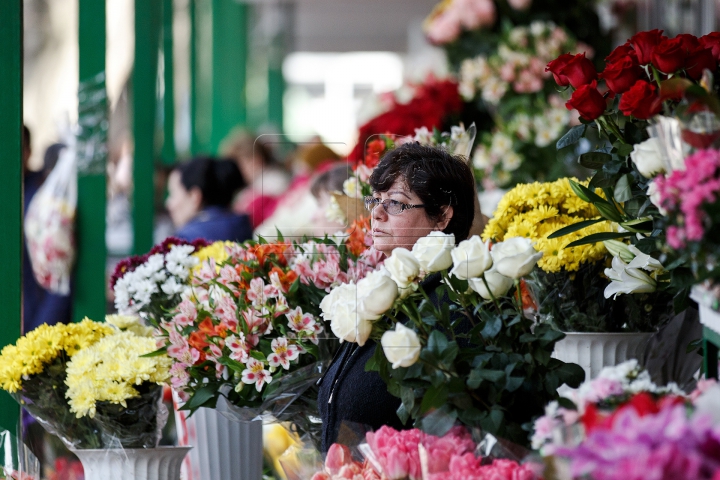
(401, 346)
(402, 267)
(470, 258)
(499, 284)
(647, 157)
(340, 308)
(654, 195)
(433, 251)
(376, 294)
(515, 257)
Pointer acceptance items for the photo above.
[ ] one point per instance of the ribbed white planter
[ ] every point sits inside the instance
(705, 300)
(161, 463)
(223, 449)
(593, 351)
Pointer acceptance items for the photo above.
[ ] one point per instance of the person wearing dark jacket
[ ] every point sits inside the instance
(199, 196)
(416, 189)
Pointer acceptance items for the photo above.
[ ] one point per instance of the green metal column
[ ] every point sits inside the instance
(201, 71)
(229, 69)
(276, 91)
(144, 101)
(11, 192)
(89, 292)
(168, 151)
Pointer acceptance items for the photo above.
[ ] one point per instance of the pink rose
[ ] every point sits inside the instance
(520, 4)
(444, 28)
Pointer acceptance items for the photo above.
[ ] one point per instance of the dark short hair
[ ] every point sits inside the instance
(331, 180)
(217, 179)
(437, 177)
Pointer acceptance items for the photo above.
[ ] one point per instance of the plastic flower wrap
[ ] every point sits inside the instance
(113, 382)
(151, 284)
(247, 329)
(33, 371)
(477, 359)
(18, 462)
(415, 455)
(622, 426)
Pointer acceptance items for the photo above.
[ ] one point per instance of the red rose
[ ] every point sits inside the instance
(669, 56)
(621, 52)
(644, 44)
(558, 64)
(689, 42)
(588, 101)
(622, 74)
(641, 101)
(698, 61)
(579, 71)
(712, 41)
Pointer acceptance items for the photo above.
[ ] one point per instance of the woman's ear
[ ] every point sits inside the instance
(445, 217)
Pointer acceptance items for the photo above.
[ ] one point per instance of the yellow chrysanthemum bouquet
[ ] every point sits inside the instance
(568, 283)
(88, 383)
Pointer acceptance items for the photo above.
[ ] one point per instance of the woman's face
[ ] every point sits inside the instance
(182, 204)
(403, 230)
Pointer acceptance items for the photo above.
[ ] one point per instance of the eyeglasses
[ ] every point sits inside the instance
(392, 207)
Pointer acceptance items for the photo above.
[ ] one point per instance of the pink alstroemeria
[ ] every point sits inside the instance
(283, 353)
(207, 272)
(281, 305)
(179, 376)
(180, 350)
(238, 347)
(259, 293)
(256, 373)
(300, 322)
(253, 319)
(226, 311)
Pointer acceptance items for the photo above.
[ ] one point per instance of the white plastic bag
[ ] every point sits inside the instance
(49, 225)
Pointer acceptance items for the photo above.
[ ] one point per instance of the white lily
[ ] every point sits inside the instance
(625, 279)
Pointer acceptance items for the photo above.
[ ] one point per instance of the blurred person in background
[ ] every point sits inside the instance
(266, 180)
(200, 193)
(39, 305)
(322, 188)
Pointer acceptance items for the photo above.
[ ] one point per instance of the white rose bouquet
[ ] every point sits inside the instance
(454, 342)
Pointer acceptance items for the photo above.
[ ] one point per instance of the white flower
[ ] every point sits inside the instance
(537, 28)
(334, 213)
(619, 249)
(644, 261)
(501, 145)
(499, 284)
(627, 280)
(515, 257)
(340, 308)
(401, 346)
(493, 90)
(403, 267)
(511, 161)
(171, 286)
(482, 159)
(709, 403)
(647, 157)
(433, 251)
(471, 258)
(423, 135)
(351, 188)
(376, 294)
(654, 195)
(544, 135)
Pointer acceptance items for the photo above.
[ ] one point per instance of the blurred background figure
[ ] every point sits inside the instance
(322, 187)
(266, 179)
(200, 193)
(39, 305)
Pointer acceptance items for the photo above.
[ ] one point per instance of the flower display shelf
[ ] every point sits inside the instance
(710, 319)
(593, 351)
(161, 463)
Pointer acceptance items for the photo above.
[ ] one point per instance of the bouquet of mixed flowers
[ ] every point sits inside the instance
(648, 74)
(247, 325)
(622, 426)
(528, 113)
(464, 351)
(150, 284)
(88, 383)
(415, 455)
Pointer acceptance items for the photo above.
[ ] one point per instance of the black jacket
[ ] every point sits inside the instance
(356, 400)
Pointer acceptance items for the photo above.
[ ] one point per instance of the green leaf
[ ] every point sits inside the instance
(608, 211)
(513, 383)
(574, 227)
(438, 422)
(487, 374)
(403, 413)
(598, 237)
(571, 373)
(594, 160)
(156, 353)
(200, 397)
(437, 342)
(493, 422)
(578, 191)
(258, 355)
(624, 150)
(586, 194)
(623, 188)
(492, 327)
(434, 397)
(448, 356)
(407, 395)
(571, 137)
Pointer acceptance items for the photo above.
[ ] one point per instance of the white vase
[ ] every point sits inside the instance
(161, 463)
(223, 449)
(593, 351)
(706, 299)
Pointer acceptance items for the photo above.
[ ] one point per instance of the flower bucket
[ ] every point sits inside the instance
(593, 351)
(222, 448)
(706, 300)
(161, 463)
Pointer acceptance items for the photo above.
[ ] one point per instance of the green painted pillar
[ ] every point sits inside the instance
(168, 151)
(11, 192)
(144, 107)
(201, 69)
(229, 68)
(276, 92)
(89, 291)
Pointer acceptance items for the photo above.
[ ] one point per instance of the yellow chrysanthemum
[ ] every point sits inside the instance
(536, 210)
(216, 251)
(110, 369)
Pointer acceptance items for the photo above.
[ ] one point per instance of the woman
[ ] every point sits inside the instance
(199, 196)
(416, 190)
